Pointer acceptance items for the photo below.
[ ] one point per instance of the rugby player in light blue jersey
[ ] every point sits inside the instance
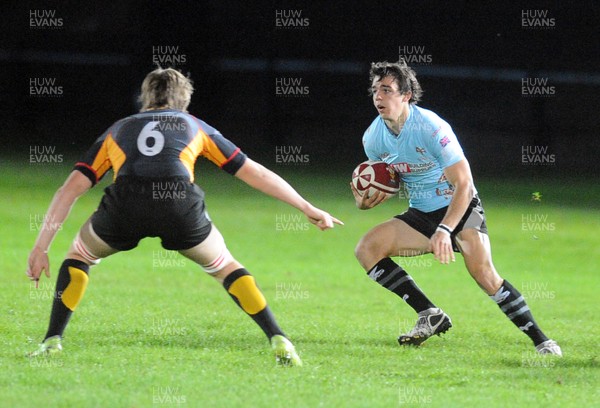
(445, 214)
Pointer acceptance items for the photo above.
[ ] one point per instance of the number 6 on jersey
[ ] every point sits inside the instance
(150, 142)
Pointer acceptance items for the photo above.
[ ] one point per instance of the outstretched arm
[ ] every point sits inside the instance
(263, 179)
(75, 185)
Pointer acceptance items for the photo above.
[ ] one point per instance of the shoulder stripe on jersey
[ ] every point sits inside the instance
(211, 152)
(101, 163)
(191, 152)
(116, 155)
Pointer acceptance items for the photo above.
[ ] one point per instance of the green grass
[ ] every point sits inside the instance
(153, 330)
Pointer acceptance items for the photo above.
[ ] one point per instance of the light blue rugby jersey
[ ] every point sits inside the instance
(426, 145)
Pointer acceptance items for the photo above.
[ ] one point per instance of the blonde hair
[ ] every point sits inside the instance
(166, 88)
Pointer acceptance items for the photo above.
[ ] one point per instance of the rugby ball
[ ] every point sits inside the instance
(371, 176)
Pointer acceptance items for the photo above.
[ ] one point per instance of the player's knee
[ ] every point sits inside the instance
(495, 282)
(487, 278)
(222, 262)
(227, 270)
(366, 250)
(360, 249)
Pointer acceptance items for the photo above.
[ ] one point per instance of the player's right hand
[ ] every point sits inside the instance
(365, 202)
(321, 219)
(38, 261)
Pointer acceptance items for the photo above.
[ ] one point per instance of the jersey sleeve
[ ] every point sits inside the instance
(95, 162)
(445, 147)
(221, 151)
(369, 147)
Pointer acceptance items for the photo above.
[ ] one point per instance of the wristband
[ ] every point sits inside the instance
(444, 228)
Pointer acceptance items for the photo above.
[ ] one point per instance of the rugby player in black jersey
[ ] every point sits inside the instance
(153, 153)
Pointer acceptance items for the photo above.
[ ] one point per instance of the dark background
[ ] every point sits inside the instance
(234, 52)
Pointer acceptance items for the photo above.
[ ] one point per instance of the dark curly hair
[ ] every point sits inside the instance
(404, 76)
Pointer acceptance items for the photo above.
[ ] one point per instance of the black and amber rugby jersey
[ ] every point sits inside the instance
(158, 144)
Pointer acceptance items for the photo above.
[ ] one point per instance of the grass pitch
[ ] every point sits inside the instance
(153, 330)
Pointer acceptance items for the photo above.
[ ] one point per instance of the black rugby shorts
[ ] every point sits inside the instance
(132, 208)
(427, 222)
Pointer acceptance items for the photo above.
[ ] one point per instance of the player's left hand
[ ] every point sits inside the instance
(38, 261)
(442, 247)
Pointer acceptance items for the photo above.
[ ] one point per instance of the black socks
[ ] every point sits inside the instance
(392, 277)
(70, 286)
(242, 288)
(512, 303)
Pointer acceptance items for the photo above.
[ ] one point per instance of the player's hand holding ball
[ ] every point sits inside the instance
(372, 183)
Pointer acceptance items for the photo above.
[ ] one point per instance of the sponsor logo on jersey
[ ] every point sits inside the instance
(401, 167)
(446, 192)
(420, 150)
(444, 141)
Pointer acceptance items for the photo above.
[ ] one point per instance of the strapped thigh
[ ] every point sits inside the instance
(90, 246)
(211, 254)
